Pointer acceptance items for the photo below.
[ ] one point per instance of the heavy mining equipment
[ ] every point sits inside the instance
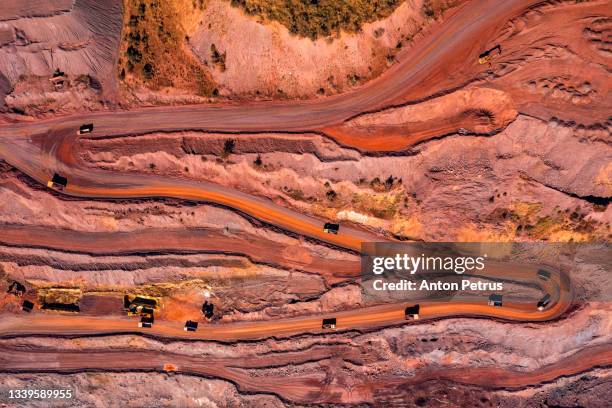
(543, 302)
(146, 322)
(133, 302)
(495, 300)
(57, 182)
(329, 324)
(190, 325)
(208, 309)
(330, 228)
(141, 305)
(27, 306)
(543, 274)
(86, 128)
(16, 288)
(487, 56)
(412, 312)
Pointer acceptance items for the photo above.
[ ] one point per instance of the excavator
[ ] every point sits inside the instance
(143, 306)
(487, 56)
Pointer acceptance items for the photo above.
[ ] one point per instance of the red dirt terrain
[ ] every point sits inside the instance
(471, 121)
(78, 37)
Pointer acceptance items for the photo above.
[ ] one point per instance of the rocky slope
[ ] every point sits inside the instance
(515, 148)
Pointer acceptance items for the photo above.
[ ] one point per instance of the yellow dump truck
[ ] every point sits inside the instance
(60, 299)
(57, 182)
(140, 305)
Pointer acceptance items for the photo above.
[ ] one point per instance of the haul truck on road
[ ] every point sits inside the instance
(329, 324)
(412, 312)
(57, 182)
(330, 228)
(543, 302)
(190, 325)
(543, 274)
(495, 300)
(86, 128)
(146, 322)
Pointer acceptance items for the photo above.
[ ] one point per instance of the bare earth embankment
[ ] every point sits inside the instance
(387, 124)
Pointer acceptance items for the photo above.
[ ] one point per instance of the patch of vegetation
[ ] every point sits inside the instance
(228, 147)
(331, 195)
(383, 206)
(562, 226)
(390, 182)
(320, 18)
(353, 79)
(153, 53)
(435, 8)
(294, 193)
(600, 207)
(217, 57)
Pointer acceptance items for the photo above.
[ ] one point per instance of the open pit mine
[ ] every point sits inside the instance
(283, 203)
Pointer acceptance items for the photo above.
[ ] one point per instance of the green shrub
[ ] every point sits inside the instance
(316, 18)
(228, 147)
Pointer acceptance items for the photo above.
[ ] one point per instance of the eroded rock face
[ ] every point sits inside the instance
(15, 9)
(531, 173)
(516, 148)
(126, 389)
(562, 68)
(574, 391)
(472, 111)
(274, 62)
(92, 389)
(80, 38)
(560, 157)
(415, 365)
(5, 88)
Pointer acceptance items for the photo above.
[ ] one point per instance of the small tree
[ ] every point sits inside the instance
(389, 182)
(147, 70)
(428, 9)
(228, 147)
(217, 58)
(258, 162)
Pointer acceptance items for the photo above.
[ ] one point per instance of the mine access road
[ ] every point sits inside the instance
(40, 149)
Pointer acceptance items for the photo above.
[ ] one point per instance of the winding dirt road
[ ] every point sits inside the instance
(436, 65)
(558, 286)
(446, 58)
(305, 389)
(42, 148)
